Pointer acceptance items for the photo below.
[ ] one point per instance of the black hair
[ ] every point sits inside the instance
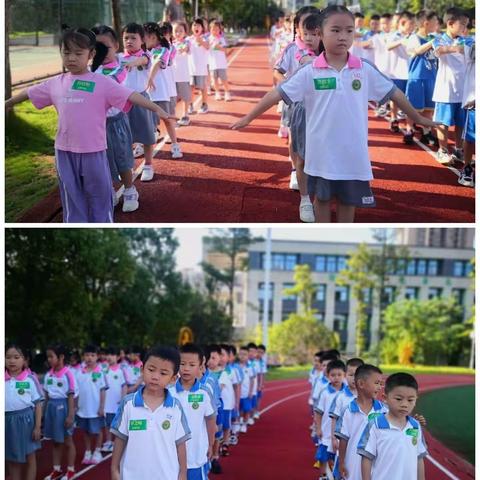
(225, 346)
(365, 370)
(319, 354)
(300, 13)
(183, 24)
(251, 345)
(193, 348)
(165, 353)
(153, 28)
(112, 351)
(262, 347)
(59, 349)
(75, 354)
(233, 349)
(408, 15)
(326, 13)
(312, 22)
(21, 350)
(375, 17)
(355, 362)
(86, 40)
(386, 15)
(335, 352)
(209, 349)
(244, 347)
(425, 15)
(167, 27)
(400, 380)
(336, 365)
(329, 355)
(453, 14)
(135, 349)
(199, 21)
(359, 15)
(134, 28)
(90, 349)
(105, 30)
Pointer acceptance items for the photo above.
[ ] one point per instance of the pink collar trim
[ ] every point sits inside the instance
(352, 61)
(299, 43)
(60, 373)
(138, 53)
(138, 364)
(96, 369)
(20, 377)
(114, 368)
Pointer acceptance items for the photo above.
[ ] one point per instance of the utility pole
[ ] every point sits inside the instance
(266, 288)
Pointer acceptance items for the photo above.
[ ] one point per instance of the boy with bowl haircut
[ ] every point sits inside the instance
(246, 388)
(350, 425)
(150, 425)
(198, 405)
(392, 445)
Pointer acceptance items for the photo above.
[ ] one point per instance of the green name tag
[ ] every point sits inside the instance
(195, 397)
(413, 432)
(137, 425)
(22, 385)
(50, 381)
(83, 85)
(136, 370)
(373, 415)
(325, 83)
(96, 376)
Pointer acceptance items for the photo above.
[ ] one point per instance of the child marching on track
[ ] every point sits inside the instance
(335, 83)
(199, 50)
(23, 416)
(218, 60)
(60, 390)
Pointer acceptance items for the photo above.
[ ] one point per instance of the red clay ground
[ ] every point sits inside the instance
(279, 446)
(228, 176)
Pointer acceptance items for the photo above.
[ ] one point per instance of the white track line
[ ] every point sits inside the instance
(86, 469)
(159, 147)
(448, 473)
(278, 402)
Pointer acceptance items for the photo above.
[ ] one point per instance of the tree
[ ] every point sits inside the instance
(8, 75)
(304, 288)
(117, 21)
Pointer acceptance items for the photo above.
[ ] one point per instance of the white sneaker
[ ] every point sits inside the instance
(96, 457)
(105, 447)
(218, 96)
(306, 213)
(444, 157)
(138, 150)
(228, 97)
(243, 428)
(256, 415)
(282, 132)
(183, 122)
(203, 108)
(250, 421)
(130, 204)
(401, 115)
(167, 139)
(87, 458)
(176, 151)
(147, 173)
(293, 181)
(279, 107)
(115, 199)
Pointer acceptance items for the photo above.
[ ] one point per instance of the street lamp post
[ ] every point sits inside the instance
(266, 289)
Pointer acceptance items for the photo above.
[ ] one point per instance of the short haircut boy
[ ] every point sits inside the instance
(165, 353)
(90, 348)
(193, 348)
(336, 365)
(400, 380)
(386, 15)
(364, 371)
(453, 14)
(354, 362)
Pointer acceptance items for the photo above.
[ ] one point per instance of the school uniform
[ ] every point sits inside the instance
(21, 396)
(341, 402)
(134, 371)
(312, 379)
(218, 59)
(58, 386)
(245, 398)
(448, 91)
(161, 94)
(90, 384)
(399, 61)
(469, 90)
(228, 397)
(142, 121)
(236, 377)
(336, 108)
(350, 427)
(254, 368)
(151, 437)
(198, 64)
(181, 70)
(172, 89)
(381, 54)
(116, 379)
(198, 407)
(395, 452)
(82, 102)
(319, 385)
(286, 65)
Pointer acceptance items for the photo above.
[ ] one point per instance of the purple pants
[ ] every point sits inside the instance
(85, 187)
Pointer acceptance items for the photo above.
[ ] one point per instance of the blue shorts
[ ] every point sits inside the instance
(254, 401)
(226, 419)
(449, 114)
(400, 84)
(235, 414)
(91, 425)
(200, 473)
(323, 455)
(56, 413)
(420, 93)
(245, 405)
(469, 129)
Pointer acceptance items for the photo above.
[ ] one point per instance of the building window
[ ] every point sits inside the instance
(421, 267)
(433, 267)
(290, 262)
(341, 293)
(434, 292)
(319, 316)
(367, 295)
(340, 323)
(286, 296)
(388, 295)
(320, 263)
(459, 295)
(411, 293)
(341, 263)
(321, 292)
(390, 266)
(261, 291)
(331, 264)
(278, 261)
(458, 269)
(411, 270)
(400, 270)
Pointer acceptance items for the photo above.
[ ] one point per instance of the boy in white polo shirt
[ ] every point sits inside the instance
(392, 445)
(199, 408)
(246, 389)
(150, 426)
(448, 90)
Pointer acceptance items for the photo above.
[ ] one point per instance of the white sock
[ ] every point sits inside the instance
(131, 189)
(97, 450)
(89, 452)
(71, 468)
(57, 468)
(305, 199)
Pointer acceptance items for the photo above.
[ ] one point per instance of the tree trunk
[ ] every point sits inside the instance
(8, 75)
(117, 21)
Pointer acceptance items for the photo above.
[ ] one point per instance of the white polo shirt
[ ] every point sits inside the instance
(198, 405)
(254, 367)
(137, 77)
(399, 57)
(116, 379)
(218, 59)
(321, 383)
(287, 64)
(152, 437)
(340, 402)
(382, 55)
(336, 109)
(60, 384)
(21, 392)
(198, 58)
(394, 452)
(227, 392)
(350, 427)
(134, 372)
(180, 62)
(469, 85)
(451, 72)
(90, 384)
(248, 374)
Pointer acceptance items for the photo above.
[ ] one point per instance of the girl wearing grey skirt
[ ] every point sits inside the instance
(23, 416)
(181, 71)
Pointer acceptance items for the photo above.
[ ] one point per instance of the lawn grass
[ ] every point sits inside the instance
(450, 415)
(29, 158)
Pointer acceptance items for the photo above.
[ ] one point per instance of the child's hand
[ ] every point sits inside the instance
(182, 476)
(243, 122)
(421, 420)
(163, 114)
(151, 84)
(69, 421)
(115, 474)
(36, 434)
(343, 471)
(209, 452)
(426, 122)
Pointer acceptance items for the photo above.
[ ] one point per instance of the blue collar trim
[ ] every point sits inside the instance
(138, 398)
(179, 386)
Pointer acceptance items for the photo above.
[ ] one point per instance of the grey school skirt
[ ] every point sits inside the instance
(184, 91)
(286, 115)
(142, 123)
(119, 145)
(297, 129)
(19, 426)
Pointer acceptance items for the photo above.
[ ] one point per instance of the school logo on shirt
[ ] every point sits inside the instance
(413, 432)
(325, 83)
(115, 377)
(137, 425)
(83, 85)
(22, 386)
(356, 84)
(195, 399)
(50, 381)
(60, 384)
(166, 425)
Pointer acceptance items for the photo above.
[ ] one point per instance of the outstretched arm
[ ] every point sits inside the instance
(21, 97)
(138, 99)
(268, 101)
(401, 101)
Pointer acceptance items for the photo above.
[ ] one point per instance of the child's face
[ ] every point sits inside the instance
(336, 376)
(395, 20)
(325, 365)
(231, 357)
(374, 25)
(14, 361)
(311, 38)
(213, 361)
(197, 29)
(74, 360)
(179, 32)
(112, 46)
(337, 34)
(372, 385)
(112, 359)
(132, 42)
(243, 356)
(350, 376)
(151, 40)
(90, 358)
(431, 25)
(223, 358)
(385, 24)
(458, 27)
(317, 364)
(406, 26)
(75, 59)
(288, 25)
(157, 374)
(281, 22)
(359, 22)
(215, 30)
(189, 367)
(401, 401)
(300, 30)
(53, 360)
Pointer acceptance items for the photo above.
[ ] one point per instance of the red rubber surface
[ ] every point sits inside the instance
(228, 176)
(279, 446)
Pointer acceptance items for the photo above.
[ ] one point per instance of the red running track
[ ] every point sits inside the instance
(279, 446)
(228, 176)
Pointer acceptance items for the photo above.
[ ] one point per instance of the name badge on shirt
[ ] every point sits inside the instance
(96, 376)
(413, 432)
(83, 85)
(22, 386)
(373, 415)
(50, 381)
(137, 425)
(325, 83)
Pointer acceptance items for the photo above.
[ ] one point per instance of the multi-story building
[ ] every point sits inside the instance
(429, 272)
(436, 237)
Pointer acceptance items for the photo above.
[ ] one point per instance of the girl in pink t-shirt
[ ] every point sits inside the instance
(82, 99)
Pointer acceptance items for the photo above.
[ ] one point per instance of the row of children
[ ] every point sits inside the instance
(174, 414)
(358, 435)
(97, 124)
